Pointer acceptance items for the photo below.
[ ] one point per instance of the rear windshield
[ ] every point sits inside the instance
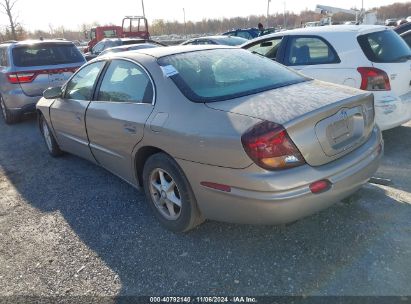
(46, 54)
(221, 74)
(384, 46)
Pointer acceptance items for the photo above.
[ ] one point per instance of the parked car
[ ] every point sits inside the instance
(401, 22)
(403, 28)
(131, 47)
(391, 22)
(407, 37)
(221, 40)
(113, 42)
(368, 57)
(212, 132)
(248, 34)
(268, 31)
(29, 67)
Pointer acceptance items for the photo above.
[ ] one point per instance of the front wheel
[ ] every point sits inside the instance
(49, 139)
(169, 194)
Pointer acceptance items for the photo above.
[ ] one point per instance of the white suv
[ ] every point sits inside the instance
(369, 57)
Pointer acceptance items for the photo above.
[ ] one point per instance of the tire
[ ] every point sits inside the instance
(9, 116)
(49, 140)
(163, 197)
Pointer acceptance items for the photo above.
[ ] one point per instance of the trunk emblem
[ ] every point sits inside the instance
(344, 115)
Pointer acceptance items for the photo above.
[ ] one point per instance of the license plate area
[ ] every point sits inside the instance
(56, 78)
(342, 131)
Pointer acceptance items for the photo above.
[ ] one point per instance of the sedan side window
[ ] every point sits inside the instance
(3, 57)
(193, 42)
(80, 87)
(125, 81)
(310, 51)
(98, 48)
(267, 48)
(244, 34)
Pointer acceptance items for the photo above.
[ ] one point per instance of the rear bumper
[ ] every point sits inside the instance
(262, 197)
(391, 111)
(17, 101)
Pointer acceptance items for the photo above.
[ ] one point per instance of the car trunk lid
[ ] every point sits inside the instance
(325, 121)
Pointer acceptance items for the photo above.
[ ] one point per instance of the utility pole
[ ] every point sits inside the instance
(285, 18)
(268, 12)
(185, 24)
(142, 4)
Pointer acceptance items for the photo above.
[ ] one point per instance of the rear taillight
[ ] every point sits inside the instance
(21, 77)
(270, 147)
(373, 79)
(29, 76)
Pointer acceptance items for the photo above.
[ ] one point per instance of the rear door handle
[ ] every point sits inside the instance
(129, 128)
(78, 116)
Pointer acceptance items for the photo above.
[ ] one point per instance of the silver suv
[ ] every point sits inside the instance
(29, 67)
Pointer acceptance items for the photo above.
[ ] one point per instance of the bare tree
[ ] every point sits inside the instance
(7, 6)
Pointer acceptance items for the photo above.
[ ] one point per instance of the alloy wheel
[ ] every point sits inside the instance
(47, 135)
(165, 194)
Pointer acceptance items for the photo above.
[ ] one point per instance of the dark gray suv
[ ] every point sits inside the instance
(29, 67)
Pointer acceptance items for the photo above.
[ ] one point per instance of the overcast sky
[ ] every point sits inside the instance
(38, 14)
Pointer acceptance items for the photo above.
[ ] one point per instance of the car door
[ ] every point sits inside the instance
(116, 117)
(315, 57)
(68, 113)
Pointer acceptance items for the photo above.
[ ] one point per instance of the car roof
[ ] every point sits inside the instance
(346, 28)
(127, 46)
(172, 50)
(38, 41)
(217, 37)
(124, 39)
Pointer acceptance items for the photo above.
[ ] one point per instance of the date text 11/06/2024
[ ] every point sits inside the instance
(203, 300)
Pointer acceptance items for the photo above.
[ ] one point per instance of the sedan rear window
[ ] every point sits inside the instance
(221, 74)
(384, 46)
(46, 54)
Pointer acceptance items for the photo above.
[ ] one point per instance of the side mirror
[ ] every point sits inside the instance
(52, 93)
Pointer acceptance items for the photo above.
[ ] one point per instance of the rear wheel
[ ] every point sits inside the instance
(9, 116)
(169, 194)
(49, 139)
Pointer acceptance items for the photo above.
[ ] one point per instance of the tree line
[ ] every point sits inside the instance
(15, 31)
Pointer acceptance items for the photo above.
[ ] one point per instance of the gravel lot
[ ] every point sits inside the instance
(68, 227)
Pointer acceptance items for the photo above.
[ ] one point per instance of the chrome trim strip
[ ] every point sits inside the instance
(73, 138)
(110, 152)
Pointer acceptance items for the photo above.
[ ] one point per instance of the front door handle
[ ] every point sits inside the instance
(129, 128)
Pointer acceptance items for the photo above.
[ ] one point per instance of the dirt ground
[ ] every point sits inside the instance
(68, 227)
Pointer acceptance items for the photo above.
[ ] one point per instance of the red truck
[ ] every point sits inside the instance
(132, 27)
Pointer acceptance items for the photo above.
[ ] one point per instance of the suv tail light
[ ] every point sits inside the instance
(29, 76)
(270, 147)
(21, 77)
(373, 79)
